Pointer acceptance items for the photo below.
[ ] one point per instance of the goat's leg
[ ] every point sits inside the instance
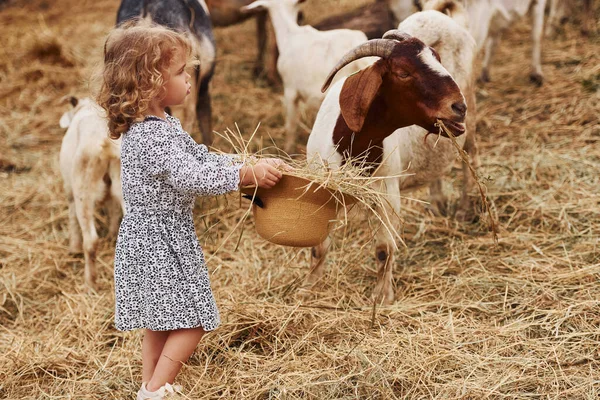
(552, 22)
(204, 110)
(89, 187)
(437, 198)
(384, 290)
(261, 37)
(588, 23)
(75, 238)
(271, 61)
(536, 75)
(292, 118)
(84, 204)
(317, 264)
(115, 199)
(385, 245)
(488, 53)
(113, 210)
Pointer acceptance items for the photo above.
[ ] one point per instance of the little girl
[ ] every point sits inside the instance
(161, 280)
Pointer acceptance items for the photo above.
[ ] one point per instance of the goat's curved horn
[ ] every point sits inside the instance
(395, 34)
(372, 48)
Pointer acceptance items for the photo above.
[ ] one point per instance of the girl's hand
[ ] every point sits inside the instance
(275, 162)
(262, 174)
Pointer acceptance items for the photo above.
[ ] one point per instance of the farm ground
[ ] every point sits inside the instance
(472, 320)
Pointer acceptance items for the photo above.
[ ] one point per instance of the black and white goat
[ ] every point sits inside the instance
(189, 16)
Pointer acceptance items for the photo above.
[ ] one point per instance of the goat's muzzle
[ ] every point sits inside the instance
(456, 127)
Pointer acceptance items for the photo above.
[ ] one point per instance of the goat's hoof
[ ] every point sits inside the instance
(75, 249)
(305, 294)
(484, 77)
(273, 81)
(536, 78)
(257, 71)
(464, 215)
(439, 208)
(91, 287)
(385, 299)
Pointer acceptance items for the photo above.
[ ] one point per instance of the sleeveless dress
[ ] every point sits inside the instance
(161, 280)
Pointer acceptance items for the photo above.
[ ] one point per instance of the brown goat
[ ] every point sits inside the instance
(373, 19)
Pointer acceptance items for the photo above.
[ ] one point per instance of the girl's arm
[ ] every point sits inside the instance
(165, 155)
(201, 153)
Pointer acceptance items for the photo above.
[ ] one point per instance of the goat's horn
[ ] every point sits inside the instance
(372, 48)
(395, 34)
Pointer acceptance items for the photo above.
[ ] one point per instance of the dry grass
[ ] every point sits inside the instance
(472, 320)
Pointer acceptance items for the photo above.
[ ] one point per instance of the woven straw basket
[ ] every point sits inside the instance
(289, 214)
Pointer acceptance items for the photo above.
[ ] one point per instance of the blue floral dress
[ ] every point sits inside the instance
(161, 280)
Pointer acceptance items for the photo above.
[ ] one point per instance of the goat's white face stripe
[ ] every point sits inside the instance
(426, 55)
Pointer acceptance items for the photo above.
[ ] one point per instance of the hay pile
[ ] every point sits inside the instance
(471, 320)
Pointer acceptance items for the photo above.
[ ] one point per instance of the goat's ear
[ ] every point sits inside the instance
(358, 93)
(65, 120)
(69, 99)
(252, 7)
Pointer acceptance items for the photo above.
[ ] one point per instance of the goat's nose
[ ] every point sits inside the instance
(460, 108)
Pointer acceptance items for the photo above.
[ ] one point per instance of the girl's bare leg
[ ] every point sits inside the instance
(152, 347)
(178, 348)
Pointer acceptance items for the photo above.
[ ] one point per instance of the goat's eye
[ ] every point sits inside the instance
(402, 75)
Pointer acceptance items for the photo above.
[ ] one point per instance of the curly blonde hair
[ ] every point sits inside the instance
(137, 56)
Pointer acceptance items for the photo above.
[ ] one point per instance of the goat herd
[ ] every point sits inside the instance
(379, 88)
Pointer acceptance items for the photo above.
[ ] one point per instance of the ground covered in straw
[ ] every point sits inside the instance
(471, 320)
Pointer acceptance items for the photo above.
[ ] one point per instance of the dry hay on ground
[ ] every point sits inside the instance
(471, 320)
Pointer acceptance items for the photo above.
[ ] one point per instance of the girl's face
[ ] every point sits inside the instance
(178, 85)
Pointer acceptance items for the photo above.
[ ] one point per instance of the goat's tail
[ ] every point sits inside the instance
(451, 8)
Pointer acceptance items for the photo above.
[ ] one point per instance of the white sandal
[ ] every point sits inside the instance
(161, 393)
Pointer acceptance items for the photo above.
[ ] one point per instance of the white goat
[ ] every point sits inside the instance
(403, 8)
(306, 55)
(488, 19)
(424, 91)
(90, 164)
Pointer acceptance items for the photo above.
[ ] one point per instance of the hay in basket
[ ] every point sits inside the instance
(312, 199)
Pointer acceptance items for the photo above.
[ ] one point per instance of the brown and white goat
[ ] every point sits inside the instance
(90, 164)
(362, 116)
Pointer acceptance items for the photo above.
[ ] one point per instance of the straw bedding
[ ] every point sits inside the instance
(472, 320)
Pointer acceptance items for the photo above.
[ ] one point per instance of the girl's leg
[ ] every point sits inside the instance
(152, 347)
(178, 348)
